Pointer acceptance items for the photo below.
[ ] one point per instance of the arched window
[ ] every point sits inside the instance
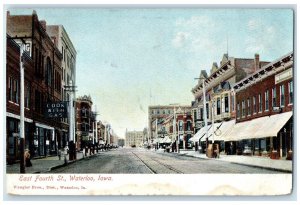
(48, 72)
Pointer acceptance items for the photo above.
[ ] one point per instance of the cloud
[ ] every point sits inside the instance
(261, 37)
(180, 39)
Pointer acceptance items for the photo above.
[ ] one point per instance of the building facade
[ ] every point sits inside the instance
(84, 121)
(61, 39)
(42, 85)
(264, 104)
(134, 138)
(220, 100)
(158, 114)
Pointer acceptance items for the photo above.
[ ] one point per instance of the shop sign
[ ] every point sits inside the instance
(285, 75)
(57, 110)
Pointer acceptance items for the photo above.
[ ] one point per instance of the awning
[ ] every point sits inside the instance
(210, 131)
(166, 139)
(267, 126)
(273, 125)
(224, 129)
(199, 134)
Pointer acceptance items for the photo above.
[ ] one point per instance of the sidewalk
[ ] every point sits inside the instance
(45, 164)
(253, 161)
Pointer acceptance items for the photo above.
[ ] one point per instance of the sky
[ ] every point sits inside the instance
(130, 58)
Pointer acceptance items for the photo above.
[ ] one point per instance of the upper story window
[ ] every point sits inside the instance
(259, 103)
(254, 104)
(48, 72)
(267, 100)
(27, 96)
(226, 103)
(238, 110)
(274, 97)
(218, 106)
(243, 108)
(232, 102)
(291, 92)
(180, 125)
(188, 125)
(248, 107)
(16, 92)
(282, 98)
(10, 89)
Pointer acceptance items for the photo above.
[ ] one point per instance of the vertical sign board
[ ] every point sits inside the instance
(57, 110)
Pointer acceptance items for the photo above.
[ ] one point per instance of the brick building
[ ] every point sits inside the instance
(264, 110)
(84, 121)
(42, 85)
(61, 39)
(183, 125)
(159, 113)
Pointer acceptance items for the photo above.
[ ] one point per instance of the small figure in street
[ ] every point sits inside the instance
(59, 154)
(66, 150)
(27, 158)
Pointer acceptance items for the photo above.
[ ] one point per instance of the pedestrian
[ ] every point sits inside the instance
(27, 158)
(59, 154)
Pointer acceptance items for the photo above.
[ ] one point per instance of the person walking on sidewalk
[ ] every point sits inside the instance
(27, 158)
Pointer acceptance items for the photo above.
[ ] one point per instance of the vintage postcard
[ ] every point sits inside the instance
(149, 101)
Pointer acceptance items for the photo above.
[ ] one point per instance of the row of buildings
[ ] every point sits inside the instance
(49, 62)
(248, 105)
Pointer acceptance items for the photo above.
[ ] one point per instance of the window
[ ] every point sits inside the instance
(27, 96)
(254, 105)
(207, 111)
(243, 108)
(274, 97)
(180, 125)
(248, 107)
(188, 125)
(267, 100)
(282, 96)
(16, 92)
(226, 101)
(10, 88)
(238, 110)
(49, 72)
(232, 102)
(218, 106)
(259, 103)
(201, 113)
(291, 92)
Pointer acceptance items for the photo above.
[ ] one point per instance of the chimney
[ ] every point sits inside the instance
(7, 13)
(43, 24)
(256, 62)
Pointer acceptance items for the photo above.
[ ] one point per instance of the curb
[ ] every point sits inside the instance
(249, 165)
(69, 162)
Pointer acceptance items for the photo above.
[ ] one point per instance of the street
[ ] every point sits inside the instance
(142, 161)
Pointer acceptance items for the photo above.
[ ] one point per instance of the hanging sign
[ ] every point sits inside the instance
(57, 110)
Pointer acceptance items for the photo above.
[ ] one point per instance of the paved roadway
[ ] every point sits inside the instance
(142, 161)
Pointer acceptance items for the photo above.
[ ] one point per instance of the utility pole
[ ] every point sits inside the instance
(204, 109)
(70, 88)
(22, 114)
